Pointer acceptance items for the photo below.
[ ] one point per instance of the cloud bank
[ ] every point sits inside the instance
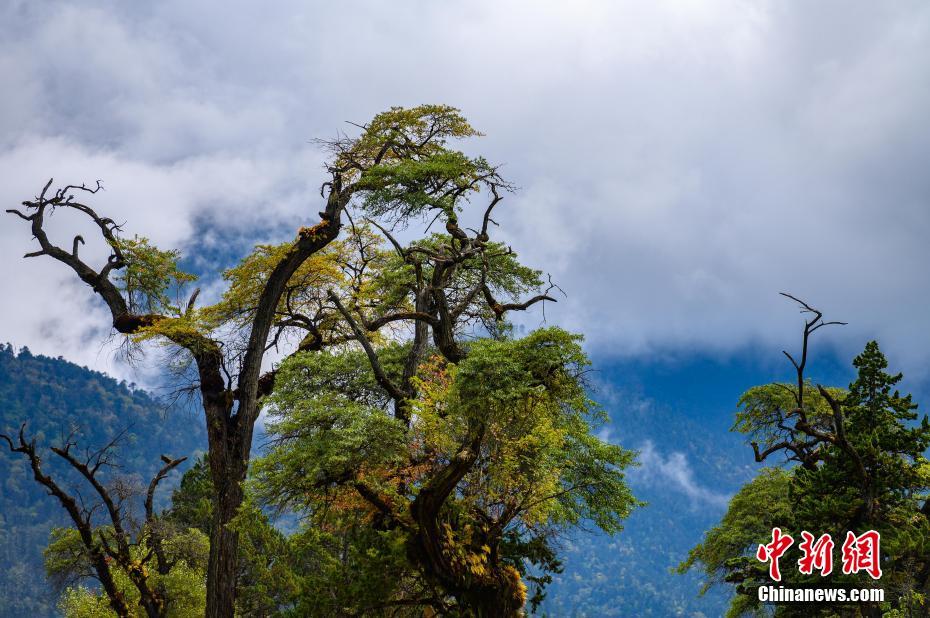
(679, 163)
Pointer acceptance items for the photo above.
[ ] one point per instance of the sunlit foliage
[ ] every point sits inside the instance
(183, 587)
(538, 470)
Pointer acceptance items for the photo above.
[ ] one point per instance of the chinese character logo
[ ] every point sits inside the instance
(816, 555)
(773, 551)
(860, 553)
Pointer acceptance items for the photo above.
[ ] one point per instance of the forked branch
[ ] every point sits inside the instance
(805, 438)
(98, 547)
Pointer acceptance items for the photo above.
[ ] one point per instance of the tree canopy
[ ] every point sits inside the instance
(857, 463)
(406, 413)
(497, 458)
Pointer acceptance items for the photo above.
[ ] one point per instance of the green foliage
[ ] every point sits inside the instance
(352, 569)
(192, 502)
(539, 460)
(761, 409)
(335, 421)
(390, 278)
(507, 275)
(183, 587)
(149, 275)
(58, 398)
(878, 482)
(314, 571)
(405, 167)
(267, 581)
(414, 125)
(879, 425)
(248, 278)
(529, 396)
(728, 550)
(414, 186)
(417, 131)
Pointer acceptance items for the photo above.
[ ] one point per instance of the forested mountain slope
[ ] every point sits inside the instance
(57, 398)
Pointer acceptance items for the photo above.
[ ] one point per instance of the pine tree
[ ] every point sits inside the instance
(856, 462)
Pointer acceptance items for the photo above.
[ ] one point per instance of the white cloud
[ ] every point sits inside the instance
(680, 163)
(674, 472)
(46, 308)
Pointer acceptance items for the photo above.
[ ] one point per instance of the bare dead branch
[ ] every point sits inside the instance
(80, 517)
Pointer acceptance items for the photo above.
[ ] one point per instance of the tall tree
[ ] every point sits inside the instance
(857, 463)
(398, 166)
(497, 459)
(433, 423)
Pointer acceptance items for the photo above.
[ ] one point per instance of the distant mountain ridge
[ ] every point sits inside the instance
(677, 415)
(56, 398)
